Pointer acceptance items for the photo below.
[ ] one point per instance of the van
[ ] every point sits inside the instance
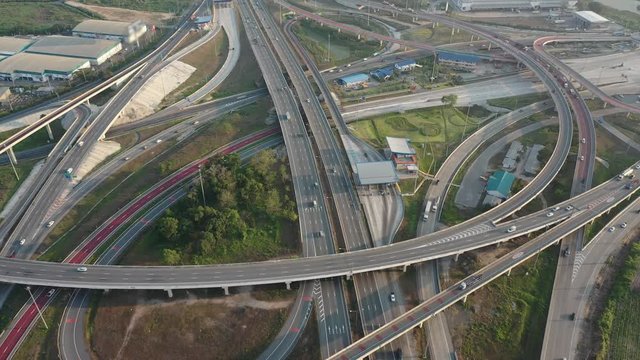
(425, 217)
(315, 203)
(321, 233)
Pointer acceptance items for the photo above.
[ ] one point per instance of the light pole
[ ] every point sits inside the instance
(204, 201)
(37, 307)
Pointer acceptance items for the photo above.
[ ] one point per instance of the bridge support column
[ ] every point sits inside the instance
(421, 325)
(338, 30)
(358, 36)
(498, 244)
(489, 49)
(349, 276)
(169, 293)
(226, 290)
(464, 299)
(509, 272)
(455, 258)
(404, 268)
(288, 285)
(49, 132)
(12, 156)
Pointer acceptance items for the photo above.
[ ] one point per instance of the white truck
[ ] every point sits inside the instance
(426, 211)
(627, 172)
(434, 208)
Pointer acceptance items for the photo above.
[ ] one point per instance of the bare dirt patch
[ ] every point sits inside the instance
(128, 324)
(117, 14)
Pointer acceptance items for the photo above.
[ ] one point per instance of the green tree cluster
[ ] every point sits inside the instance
(240, 219)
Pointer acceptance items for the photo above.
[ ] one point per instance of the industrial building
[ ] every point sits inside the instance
(465, 61)
(511, 158)
(402, 154)
(471, 5)
(589, 20)
(377, 172)
(531, 164)
(382, 74)
(405, 65)
(202, 21)
(10, 45)
(353, 80)
(96, 51)
(111, 30)
(37, 67)
(499, 184)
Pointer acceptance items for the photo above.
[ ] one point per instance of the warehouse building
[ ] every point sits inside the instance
(10, 45)
(465, 61)
(111, 30)
(382, 74)
(499, 184)
(353, 80)
(589, 20)
(510, 160)
(97, 51)
(41, 68)
(405, 65)
(470, 5)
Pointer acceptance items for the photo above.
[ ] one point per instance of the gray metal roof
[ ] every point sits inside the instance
(39, 64)
(72, 46)
(378, 172)
(400, 146)
(11, 45)
(104, 27)
(591, 17)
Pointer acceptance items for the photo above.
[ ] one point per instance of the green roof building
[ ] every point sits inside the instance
(499, 184)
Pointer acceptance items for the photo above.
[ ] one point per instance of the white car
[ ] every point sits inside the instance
(583, 140)
(623, 225)
(81, 269)
(50, 292)
(50, 224)
(556, 208)
(612, 229)
(392, 297)
(550, 214)
(158, 141)
(581, 157)
(569, 208)
(638, 167)
(80, 143)
(511, 229)
(23, 241)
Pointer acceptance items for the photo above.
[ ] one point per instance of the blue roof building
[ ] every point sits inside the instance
(382, 74)
(459, 59)
(499, 184)
(405, 65)
(353, 80)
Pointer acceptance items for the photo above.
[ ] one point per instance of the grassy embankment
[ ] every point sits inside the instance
(515, 102)
(169, 6)
(24, 17)
(619, 324)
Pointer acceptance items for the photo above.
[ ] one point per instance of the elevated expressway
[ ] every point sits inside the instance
(315, 227)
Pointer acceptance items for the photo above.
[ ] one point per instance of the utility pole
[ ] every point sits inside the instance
(204, 201)
(329, 47)
(37, 307)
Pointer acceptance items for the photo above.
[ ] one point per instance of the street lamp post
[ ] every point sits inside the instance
(204, 201)
(37, 307)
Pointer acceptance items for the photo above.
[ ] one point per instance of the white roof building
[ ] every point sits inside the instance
(37, 67)
(470, 5)
(377, 172)
(10, 45)
(95, 50)
(400, 146)
(112, 30)
(591, 17)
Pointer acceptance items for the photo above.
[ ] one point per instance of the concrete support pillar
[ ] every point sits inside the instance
(348, 276)
(498, 244)
(490, 46)
(453, 31)
(12, 156)
(509, 272)
(339, 30)
(169, 293)
(464, 299)
(358, 36)
(88, 103)
(226, 290)
(49, 132)
(404, 268)
(421, 325)
(455, 258)
(288, 285)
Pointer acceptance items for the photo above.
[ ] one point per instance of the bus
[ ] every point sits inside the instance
(426, 211)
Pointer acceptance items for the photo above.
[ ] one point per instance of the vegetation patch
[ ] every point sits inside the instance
(515, 102)
(620, 321)
(169, 6)
(240, 218)
(25, 18)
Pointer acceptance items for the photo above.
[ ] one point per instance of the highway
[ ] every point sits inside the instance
(26, 317)
(450, 296)
(315, 227)
(374, 307)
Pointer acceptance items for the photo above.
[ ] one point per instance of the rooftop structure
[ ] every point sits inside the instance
(400, 146)
(531, 164)
(95, 50)
(499, 184)
(37, 67)
(382, 74)
(405, 65)
(465, 60)
(378, 172)
(511, 158)
(203, 19)
(470, 5)
(111, 30)
(353, 80)
(5, 92)
(10, 45)
(589, 19)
